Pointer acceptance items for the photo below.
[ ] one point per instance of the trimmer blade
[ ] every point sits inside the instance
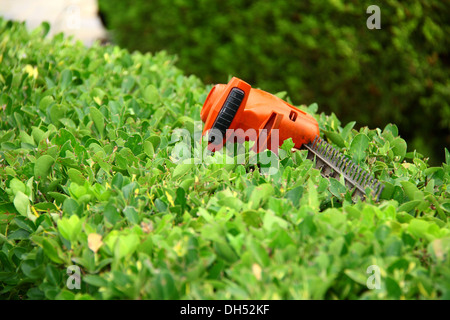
(355, 177)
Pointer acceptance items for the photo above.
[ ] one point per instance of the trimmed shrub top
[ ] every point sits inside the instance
(88, 183)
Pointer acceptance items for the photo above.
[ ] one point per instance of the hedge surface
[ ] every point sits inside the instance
(317, 51)
(87, 179)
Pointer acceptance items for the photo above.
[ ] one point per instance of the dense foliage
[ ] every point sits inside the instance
(318, 51)
(87, 179)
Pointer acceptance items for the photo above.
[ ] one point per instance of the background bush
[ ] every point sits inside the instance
(318, 51)
(87, 179)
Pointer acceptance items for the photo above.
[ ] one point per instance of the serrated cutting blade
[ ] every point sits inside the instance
(333, 164)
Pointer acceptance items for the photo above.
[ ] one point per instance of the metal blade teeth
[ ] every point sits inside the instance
(370, 182)
(322, 147)
(357, 171)
(353, 173)
(350, 170)
(313, 143)
(339, 160)
(364, 183)
(361, 178)
(325, 150)
(335, 156)
(374, 184)
(378, 194)
(329, 151)
(316, 141)
(343, 163)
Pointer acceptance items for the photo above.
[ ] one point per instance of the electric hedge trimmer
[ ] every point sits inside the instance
(236, 108)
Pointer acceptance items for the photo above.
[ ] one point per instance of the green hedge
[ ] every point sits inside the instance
(318, 51)
(87, 179)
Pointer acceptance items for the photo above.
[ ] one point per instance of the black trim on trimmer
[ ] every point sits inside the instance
(227, 113)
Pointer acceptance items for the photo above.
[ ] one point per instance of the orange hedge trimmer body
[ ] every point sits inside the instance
(238, 106)
(237, 112)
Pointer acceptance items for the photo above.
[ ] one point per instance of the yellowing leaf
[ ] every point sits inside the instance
(257, 271)
(98, 101)
(170, 199)
(94, 241)
(34, 211)
(179, 249)
(32, 71)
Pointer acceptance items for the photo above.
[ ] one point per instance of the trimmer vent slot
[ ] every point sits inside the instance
(293, 116)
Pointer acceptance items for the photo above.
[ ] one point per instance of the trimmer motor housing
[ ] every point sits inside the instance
(239, 112)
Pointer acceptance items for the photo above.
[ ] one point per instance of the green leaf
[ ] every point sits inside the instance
(99, 120)
(337, 189)
(418, 228)
(259, 253)
(260, 195)
(53, 275)
(52, 249)
(45, 26)
(410, 205)
(46, 102)
(70, 228)
(347, 129)
(25, 138)
(393, 288)
(131, 214)
(335, 138)
(57, 112)
(58, 196)
(270, 220)
(225, 252)
(411, 191)
(295, 195)
(25, 224)
(66, 79)
(71, 206)
(399, 147)
(252, 218)
(307, 227)
(111, 213)
(181, 169)
(155, 140)
(95, 280)
(22, 203)
(392, 128)
(358, 277)
(312, 108)
(42, 166)
(76, 176)
(151, 94)
(38, 134)
(287, 145)
(126, 245)
(312, 197)
(16, 185)
(19, 234)
(359, 146)
(148, 149)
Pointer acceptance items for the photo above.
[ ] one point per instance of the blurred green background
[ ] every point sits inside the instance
(317, 51)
